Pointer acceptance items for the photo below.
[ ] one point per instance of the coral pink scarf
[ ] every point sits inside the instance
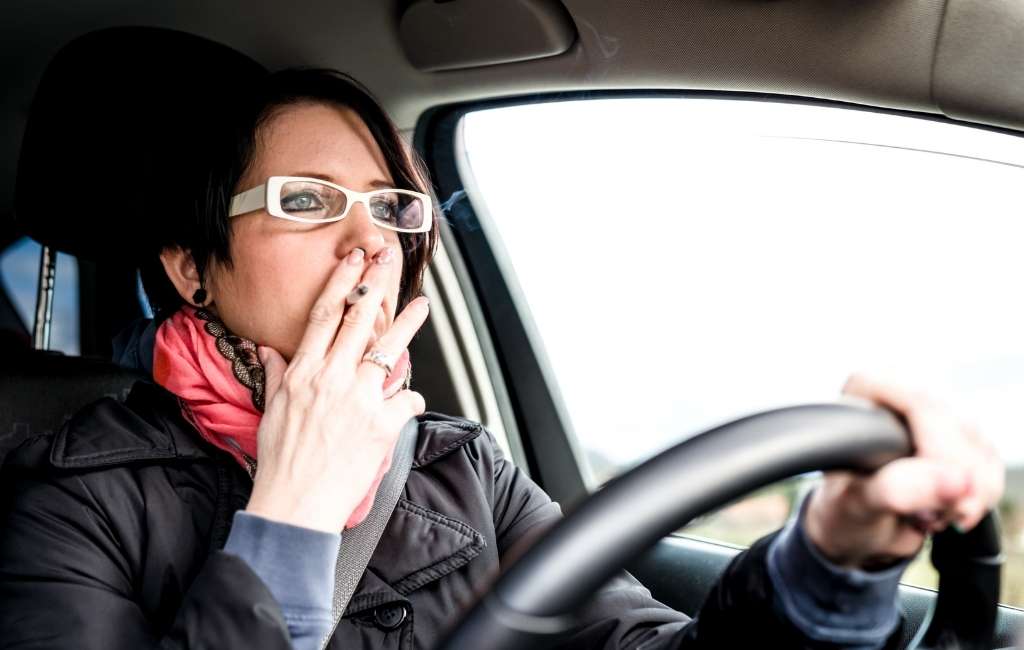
(219, 381)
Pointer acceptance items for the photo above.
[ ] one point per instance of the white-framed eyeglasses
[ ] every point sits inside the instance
(312, 200)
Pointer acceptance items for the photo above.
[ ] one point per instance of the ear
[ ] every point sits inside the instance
(181, 271)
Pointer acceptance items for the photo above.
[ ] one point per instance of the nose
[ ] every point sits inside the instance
(359, 231)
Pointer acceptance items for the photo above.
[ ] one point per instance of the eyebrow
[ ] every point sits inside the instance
(376, 184)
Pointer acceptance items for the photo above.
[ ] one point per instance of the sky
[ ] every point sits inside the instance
(19, 272)
(688, 261)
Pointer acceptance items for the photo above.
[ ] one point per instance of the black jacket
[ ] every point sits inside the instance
(110, 533)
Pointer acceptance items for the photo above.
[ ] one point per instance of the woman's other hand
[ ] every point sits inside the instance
(953, 478)
(328, 429)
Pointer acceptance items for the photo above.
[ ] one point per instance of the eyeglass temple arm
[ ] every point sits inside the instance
(248, 201)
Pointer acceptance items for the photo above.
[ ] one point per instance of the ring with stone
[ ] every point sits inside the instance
(378, 358)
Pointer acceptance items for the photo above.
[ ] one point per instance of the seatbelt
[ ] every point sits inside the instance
(358, 544)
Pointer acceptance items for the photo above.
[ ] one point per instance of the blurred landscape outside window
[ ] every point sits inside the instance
(688, 261)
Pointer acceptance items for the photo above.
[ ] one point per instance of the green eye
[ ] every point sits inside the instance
(382, 210)
(301, 202)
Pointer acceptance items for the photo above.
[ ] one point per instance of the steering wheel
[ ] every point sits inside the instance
(533, 600)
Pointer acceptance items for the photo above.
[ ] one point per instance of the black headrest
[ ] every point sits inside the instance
(117, 111)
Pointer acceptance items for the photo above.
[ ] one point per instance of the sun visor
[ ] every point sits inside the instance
(471, 33)
(978, 74)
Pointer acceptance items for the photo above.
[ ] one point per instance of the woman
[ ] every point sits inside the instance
(207, 510)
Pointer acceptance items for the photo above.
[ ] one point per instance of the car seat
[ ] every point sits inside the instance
(109, 106)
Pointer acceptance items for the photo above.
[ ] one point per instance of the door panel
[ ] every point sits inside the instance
(680, 572)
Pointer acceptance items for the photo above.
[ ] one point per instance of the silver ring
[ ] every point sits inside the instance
(378, 358)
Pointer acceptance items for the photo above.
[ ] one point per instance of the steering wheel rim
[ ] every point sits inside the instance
(531, 600)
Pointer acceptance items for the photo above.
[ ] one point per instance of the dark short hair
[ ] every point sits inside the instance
(219, 163)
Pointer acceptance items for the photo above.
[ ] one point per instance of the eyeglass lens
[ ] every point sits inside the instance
(310, 200)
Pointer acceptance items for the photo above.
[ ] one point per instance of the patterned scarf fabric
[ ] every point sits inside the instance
(220, 383)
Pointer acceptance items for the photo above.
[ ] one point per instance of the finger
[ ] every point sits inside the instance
(990, 471)
(274, 366)
(385, 464)
(329, 308)
(356, 327)
(905, 542)
(987, 479)
(937, 434)
(935, 431)
(888, 394)
(910, 485)
(969, 513)
(399, 335)
(401, 407)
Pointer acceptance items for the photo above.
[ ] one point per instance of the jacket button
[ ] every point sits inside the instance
(389, 617)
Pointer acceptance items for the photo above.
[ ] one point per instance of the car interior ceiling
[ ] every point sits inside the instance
(945, 59)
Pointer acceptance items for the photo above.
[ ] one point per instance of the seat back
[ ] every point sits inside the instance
(114, 116)
(40, 391)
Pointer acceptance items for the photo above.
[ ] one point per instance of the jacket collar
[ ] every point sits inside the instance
(402, 564)
(440, 435)
(146, 427)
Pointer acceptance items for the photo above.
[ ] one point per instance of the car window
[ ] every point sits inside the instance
(19, 273)
(687, 261)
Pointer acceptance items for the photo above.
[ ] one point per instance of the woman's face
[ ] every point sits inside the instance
(279, 267)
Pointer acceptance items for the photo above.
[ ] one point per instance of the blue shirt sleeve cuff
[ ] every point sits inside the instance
(847, 608)
(297, 564)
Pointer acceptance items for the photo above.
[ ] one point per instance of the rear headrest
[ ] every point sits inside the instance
(113, 120)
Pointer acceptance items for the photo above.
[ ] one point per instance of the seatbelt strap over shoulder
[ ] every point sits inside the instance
(358, 544)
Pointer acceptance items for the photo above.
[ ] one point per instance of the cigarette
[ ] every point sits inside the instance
(357, 293)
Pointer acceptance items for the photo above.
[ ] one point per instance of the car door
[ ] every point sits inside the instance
(637, 267)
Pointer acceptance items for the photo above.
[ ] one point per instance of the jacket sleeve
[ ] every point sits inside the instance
(65, 582)
(740, 611)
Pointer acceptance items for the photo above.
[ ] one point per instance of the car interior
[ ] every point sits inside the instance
(88, 83)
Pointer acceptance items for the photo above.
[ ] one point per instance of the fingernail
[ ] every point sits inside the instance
(385, 256)
(424, 300)
(356, 256)
(356, 294)
(261, 355)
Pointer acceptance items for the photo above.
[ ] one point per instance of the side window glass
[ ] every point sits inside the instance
(689, 261)
(19, 273)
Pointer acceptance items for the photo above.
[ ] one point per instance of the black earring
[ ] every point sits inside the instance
(199, 297)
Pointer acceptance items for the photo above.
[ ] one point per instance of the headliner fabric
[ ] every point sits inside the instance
(979, 67)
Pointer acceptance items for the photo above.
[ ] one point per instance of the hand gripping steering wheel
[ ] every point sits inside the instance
(533, 600)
